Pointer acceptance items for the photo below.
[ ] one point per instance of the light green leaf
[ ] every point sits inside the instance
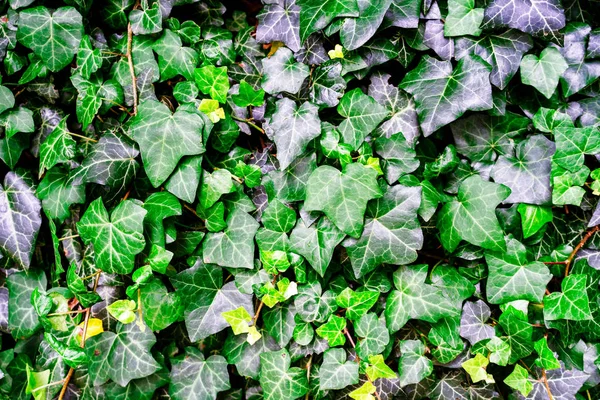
(533, 218)
(573, 143)
(356, 304)
(332, 330)
(248, 96)
(377, 368)
(546, 358)
(475, 367)
(213, 81)
(572, 304)
(519, 380)
(122, 310)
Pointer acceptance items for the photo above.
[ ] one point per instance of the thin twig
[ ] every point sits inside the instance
(66, 313)
(308, 365)
(68, 237)
(583, 241)
(66, 384)
(131, 69)
(555, 262)
(358, 359)
(247, 121)
(48, 385)
(83, 137)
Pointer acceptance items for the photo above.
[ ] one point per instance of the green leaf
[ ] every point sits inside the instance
(248, 96)
(379, 369)
(463, 18)
(335, 372)
(17, 120)
(471, 215)
(533, 218)
(572, 144)
(415, 299)
(356, 304)
(316, 242)
(89, 59)
(365, 392)
(316, 15)
(355, 32)
(61, 29)
(279, 322)
(392, 233)
(361, 115)
(59, 192)
(233, 247)
(165, 137)
(442, 94)
(281, 73)
(7, 99)
(544, 72)
(374, 334)
(342, 196)
(278, 217)
(328, 85)
(278, 380)
(413, 366)
(23, 320)
(527, 174)
(573, 303)
(147, 20)
(116, 238)
(279, 22)
(239, 319)
(184, 182)
(332, 331)
(36, 382)
(292, 128)
(173, 58)
(214, 186)
(546, 358)
(195, 378)
(122, 355)
(213, 81)
(122, 310)
(513, 277)
(519, 380)
(161, 308)
(59, 147)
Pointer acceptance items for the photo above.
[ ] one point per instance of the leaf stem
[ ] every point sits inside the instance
(82, 137)
(583, 241)
(68, 237)
(545, 379)
(358, 359)
(48, 385)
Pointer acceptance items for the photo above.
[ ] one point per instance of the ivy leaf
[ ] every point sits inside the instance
(543, 19)
(463, 18)
(233, 247)
(328, 85)
(397, 157)
(471, 215)
(279, 22)
(193, 377)
(7, 99)
(473, 325)
(23, 319)
(356, 303)
(173, 58)
(280, 323)
(110, 162)
(572, 144)
(502, 51)
(17, 120)
(379, 369)
(561, 382)
(365, 392)
(278, 380)
(122, 355)
(362, 115)
(533, 218)
(374, 334)
(513, 277)
(404, 115)
(519, 380)
(58, 193)
(146, 21)
(316, 15)
(546, 359)
(342, 196)
(415, 299)
(572, 304)
(475, 367)
(213, 81)
(544, 72)
(316, 242)
(186, 178)
(292, 129)
(281, 73)
(116, 238)
(335, 372)
(392, 233)
(161, 308)
(59, 147)
(355, 32)
(61, 29)
(442, 94)
(332, 330)
(20, 218)
(248, 96)
(413, 366)
(165, 137)
(528, 173)
(89, 59)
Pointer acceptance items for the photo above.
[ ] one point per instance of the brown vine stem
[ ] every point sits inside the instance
(131, 69)
(262, 303)
(583, 241)
(63, 391)
(358, 359)
(308, 365)
(247, 121)
(546, 384)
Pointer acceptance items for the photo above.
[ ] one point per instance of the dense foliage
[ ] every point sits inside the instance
(326, 199)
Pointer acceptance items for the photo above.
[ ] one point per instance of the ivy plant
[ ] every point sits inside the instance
(299, 199)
